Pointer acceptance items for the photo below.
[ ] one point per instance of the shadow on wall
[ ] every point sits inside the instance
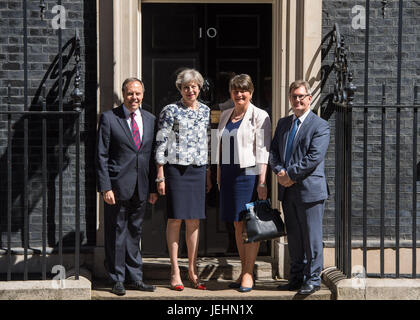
(326, 105)
(35, 159)
(35, 260)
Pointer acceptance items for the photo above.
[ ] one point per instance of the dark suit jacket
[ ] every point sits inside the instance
(120, 167)
(306, 166)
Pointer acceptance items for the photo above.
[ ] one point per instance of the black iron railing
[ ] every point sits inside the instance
(20, 123)
(400, 113)
(343, 101)
(390, 130)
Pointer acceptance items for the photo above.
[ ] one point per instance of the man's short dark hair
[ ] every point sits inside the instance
(129, 80)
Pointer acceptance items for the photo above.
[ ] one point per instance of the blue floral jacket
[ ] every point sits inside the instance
(183, 136)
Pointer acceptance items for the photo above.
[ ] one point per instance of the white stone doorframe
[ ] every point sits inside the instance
(297, 35)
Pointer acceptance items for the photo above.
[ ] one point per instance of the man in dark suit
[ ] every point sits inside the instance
(297, 158)
(125, 173)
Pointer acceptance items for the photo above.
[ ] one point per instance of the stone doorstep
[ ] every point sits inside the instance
(370, 288)
(221, 268)
(216, 290)
(217, 273)
(46, 290)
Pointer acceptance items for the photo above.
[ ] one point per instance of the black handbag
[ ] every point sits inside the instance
(262, 222)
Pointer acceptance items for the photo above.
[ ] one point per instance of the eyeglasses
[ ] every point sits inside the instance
(300, 97)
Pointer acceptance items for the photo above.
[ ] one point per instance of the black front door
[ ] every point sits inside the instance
(219, 40)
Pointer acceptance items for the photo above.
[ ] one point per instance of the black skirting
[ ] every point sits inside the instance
(185, 191)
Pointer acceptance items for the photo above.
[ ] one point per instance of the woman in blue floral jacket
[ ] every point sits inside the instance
(182, 157)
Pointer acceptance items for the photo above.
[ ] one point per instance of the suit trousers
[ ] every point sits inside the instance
(123, 226)
(304, 236)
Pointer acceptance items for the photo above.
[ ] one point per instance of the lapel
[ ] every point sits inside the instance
(147, 128)
(119, 112)
(248, 117)
(224, 120)
(286, 131)
(245, 125)
(228, 113)
(249, 112)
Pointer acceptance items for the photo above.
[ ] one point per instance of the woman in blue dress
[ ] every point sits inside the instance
(244, 134)
(182, 157)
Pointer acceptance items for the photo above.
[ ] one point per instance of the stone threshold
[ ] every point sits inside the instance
(216, 290)
(67, 289)
(370, 288)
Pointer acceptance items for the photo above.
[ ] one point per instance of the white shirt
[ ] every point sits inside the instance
(137, 117)
(301, 119)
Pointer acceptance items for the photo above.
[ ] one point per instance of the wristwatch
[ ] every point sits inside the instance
(159, 180)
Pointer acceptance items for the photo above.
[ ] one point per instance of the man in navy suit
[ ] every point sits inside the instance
(125, 173)
(297, 158)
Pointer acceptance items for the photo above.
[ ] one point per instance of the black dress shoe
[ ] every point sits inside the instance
(308, 289)
(234, 285)
(118, 289)
(291, 286)
(141, 286)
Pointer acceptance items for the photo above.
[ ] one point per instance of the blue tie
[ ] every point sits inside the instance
(290, 141)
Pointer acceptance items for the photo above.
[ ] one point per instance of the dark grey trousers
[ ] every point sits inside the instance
(304, 236)
(123, 226)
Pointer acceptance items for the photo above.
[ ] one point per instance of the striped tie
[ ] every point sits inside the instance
(135, 131)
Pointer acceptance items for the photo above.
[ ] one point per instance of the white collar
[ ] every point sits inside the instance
(127, 112)
(303, 116)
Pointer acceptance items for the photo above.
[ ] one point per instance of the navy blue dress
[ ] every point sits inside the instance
(184, 156)
(236, 187)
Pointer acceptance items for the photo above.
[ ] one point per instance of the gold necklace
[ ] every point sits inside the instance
(194, 106)
(237, 117)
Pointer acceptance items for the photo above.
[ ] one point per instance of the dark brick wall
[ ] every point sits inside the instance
(382, 63)
(43, 70)
(42, 55)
